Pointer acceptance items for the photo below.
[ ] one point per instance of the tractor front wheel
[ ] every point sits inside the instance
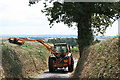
(51, 67)
(71, 66)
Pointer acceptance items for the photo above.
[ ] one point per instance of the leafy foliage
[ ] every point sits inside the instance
(96, 41)
(100, 60)
(102, 13)
(71, 41)
(89, 17)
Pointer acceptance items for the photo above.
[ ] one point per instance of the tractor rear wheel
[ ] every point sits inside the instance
(71, 66)
(51, 67)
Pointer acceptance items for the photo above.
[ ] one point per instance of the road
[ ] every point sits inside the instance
(60, 73)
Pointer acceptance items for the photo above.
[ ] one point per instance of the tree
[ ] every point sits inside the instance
(96, 41)
(71, 41)
(51, 41)
(89, 17)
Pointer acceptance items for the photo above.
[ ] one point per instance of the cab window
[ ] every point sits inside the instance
(61, 49)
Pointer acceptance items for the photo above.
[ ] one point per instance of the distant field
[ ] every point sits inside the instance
(3, 38)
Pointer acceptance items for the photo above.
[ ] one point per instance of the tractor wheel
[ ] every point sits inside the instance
(51, 67)
(71, 66)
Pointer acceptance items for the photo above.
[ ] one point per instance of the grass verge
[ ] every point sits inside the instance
(100, 60)
(23, 61)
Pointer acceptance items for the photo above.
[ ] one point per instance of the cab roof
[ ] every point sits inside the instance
(57, 44)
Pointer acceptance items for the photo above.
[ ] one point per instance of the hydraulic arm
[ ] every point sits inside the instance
(57, 59)
(21, 41)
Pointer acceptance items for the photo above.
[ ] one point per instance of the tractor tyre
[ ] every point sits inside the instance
(51, 67)
(71, 66)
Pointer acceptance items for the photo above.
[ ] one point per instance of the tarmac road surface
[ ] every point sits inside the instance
(57, 75)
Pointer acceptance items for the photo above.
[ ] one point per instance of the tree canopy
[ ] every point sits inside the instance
(90, 17)
(102, 14)
(71, 41)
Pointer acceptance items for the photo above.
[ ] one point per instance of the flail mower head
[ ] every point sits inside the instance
(16, 41)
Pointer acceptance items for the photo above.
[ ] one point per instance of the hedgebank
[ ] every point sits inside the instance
(100, 60)
(24, 61)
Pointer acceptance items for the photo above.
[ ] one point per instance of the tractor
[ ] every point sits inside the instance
(60, 56)
(66, 58)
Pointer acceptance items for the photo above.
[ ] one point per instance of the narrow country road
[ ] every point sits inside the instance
(60, 73)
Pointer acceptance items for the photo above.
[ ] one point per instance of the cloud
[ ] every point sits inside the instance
(18, 11)
(38, 30)
(19, 18)
(16, 17)
(112, 30)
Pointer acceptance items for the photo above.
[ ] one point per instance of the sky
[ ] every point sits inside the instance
(17, 18)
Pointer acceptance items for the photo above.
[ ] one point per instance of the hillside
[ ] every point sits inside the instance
(23, 61)
(100, 61)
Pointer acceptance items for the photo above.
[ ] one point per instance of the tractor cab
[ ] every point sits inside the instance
(64, 48)
(65, 59)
